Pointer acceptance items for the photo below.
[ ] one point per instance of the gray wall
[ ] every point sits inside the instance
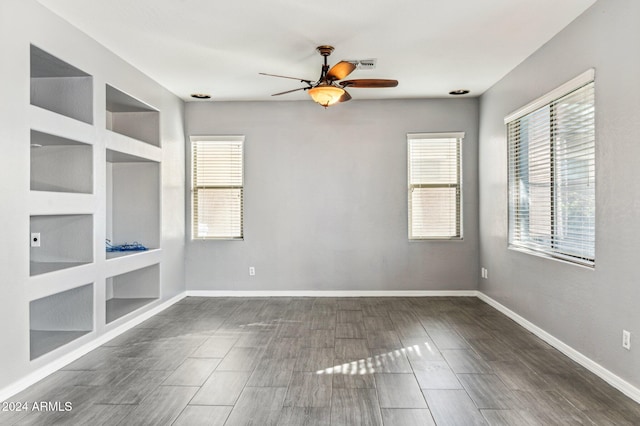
(325, 198)
(587, 309)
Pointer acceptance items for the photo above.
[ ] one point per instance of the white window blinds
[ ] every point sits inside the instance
(552, 175)
(217, 187)
(434, 185)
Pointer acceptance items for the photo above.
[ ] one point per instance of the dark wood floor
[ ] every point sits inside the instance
(319, 361)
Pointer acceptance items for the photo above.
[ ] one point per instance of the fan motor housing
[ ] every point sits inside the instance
(325, 50)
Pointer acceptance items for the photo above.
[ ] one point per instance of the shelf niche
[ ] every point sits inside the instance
(131, 291)
(65, 241)
(60, 87)
(60, 165)
(130, 117)
(133, 201)
(59, 319)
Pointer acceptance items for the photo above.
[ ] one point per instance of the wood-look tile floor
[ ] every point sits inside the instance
(320, 361)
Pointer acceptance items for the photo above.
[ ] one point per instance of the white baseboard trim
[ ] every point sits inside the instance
(68, 358)
(609, 377)
(333, 293)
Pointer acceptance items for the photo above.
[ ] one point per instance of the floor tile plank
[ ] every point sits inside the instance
(299, 416)
(163, 406)
(221, 388)
(488, 391)
(215, 347)
(407, 417)
(453, 407)
(437, 375)
(240, 359)
(355, 407)
(309, 390)
(399, 391)
(257, 407)
(202, 415)
(192, 372)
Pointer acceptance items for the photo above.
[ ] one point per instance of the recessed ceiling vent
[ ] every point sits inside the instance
(364, 64)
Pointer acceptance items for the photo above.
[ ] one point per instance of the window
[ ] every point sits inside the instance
(552, 173)
(217, 187)
(434, 185)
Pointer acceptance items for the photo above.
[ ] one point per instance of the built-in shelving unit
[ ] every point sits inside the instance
(60, 87)
(133, 118)
(60, 164)
(59, 319)
(68, 200)
(130, 291)
(65, 241)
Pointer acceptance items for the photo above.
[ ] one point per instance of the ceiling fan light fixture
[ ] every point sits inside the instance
(326, 94)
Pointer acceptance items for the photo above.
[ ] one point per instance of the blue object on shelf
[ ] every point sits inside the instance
(134, 246)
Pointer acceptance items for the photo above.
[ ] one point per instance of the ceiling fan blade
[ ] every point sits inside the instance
(345, 97)
(369, 83)
(284, 76)
(289, 91)
(340, 70)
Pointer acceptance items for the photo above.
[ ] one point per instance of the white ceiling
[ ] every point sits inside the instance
(219, 47)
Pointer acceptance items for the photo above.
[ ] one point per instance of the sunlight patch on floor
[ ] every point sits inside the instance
(370, 364)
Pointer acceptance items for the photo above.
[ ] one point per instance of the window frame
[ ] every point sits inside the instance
(459, 136)
(548, 100)
(193, 211)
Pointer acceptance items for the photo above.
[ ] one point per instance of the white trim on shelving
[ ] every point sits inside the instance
(134, 147)
(609, 377)
(61, 203)
(66, 359)
(46, 121)
(43, 285)
(133, 261)
(332, 293)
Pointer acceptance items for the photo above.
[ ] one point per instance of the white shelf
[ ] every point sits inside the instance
(58, 281)
(60, 318)
(118, 254)
(128, 292)
(60, 87)
(60, 165)
(50, 122)
(130, 117)
(51, 203)
(118, 145)
(66, 241)
(130, 262)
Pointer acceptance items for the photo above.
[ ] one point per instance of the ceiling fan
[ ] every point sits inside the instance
(329, 89)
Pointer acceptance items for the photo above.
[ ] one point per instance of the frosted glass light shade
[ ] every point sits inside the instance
(326, 94)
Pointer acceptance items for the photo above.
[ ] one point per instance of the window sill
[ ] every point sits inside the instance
(435, 239)
(588, 266)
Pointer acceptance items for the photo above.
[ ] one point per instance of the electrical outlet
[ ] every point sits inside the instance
(35, 239)
(252, 270)
(626, 340)
(484, 273)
